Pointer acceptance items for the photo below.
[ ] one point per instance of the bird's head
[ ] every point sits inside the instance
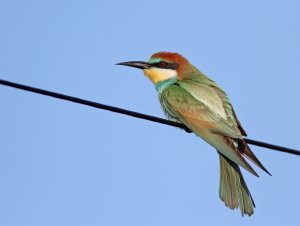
(162, 66)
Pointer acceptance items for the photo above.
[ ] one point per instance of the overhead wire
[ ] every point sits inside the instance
(133, 113)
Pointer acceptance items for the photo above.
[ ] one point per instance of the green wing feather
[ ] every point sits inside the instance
(180, 104)
(209, 93)
(177, 99)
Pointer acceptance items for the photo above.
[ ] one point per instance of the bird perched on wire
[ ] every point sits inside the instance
(188, 96)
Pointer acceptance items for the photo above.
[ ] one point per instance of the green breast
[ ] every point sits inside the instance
(160, 87)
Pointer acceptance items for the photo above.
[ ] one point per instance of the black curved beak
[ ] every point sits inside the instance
(136, 64)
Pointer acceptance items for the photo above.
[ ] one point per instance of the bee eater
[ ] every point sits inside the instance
(188, 96)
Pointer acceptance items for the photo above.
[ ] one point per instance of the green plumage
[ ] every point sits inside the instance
(233, 189)
(205, 108)
(182, 101)
(188, 96)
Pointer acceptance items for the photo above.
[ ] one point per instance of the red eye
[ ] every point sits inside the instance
(162, 64)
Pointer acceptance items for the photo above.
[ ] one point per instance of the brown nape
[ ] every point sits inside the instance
(170, 57)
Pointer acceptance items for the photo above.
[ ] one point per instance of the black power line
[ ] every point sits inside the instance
(133, 114)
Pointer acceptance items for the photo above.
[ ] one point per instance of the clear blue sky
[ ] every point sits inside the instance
(67, 164)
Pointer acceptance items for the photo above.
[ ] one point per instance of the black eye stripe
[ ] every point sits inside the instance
(165, 65)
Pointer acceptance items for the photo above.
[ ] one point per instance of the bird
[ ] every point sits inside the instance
(188, 96)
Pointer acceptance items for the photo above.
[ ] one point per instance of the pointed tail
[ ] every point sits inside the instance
(246, 151)
(233, 189)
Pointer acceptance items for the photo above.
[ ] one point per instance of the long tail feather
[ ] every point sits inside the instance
(246, 151)
(233, 189)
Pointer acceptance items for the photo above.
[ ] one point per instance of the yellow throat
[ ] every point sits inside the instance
(158, 74)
